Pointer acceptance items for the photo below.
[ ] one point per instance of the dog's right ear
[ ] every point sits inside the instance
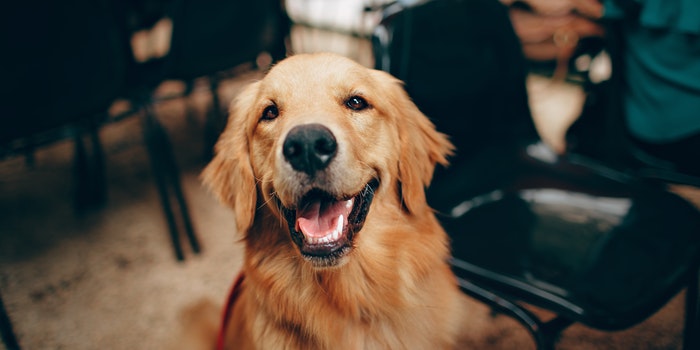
(230, 174)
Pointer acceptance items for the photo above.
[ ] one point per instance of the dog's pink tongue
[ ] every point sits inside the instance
(320, 218)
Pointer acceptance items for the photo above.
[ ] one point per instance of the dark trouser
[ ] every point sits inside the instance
(684, 153)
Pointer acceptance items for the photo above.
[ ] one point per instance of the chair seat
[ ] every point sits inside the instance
(577, 238)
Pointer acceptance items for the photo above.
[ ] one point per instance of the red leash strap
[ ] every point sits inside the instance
(228, 310)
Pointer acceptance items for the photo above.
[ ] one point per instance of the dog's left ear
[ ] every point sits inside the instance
(422, 147)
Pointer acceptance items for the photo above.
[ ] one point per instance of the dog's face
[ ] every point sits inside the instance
(317, 142)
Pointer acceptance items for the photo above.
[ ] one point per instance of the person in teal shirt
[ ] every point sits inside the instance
(661, 89)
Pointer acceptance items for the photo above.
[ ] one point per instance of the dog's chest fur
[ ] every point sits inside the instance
(383, 299)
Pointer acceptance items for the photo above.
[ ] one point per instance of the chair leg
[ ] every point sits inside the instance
(80, 174)
(190, 113)
(215, 120)
(167, 178)
(175, 182)
(90, 185)
(8, 334)
(153, 135)
(527, 319)
(552, 329)
(691, 332)
(99, 181)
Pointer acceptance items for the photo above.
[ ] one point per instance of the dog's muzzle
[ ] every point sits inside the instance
(322, 223)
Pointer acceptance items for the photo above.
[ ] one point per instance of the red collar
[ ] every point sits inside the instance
(228, 309)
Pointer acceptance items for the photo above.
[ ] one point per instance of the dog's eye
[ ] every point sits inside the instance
(356, 103)
(270, 113)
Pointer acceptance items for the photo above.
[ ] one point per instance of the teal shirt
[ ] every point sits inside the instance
(662, 69)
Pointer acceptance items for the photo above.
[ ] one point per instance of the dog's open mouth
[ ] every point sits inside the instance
(323, 227)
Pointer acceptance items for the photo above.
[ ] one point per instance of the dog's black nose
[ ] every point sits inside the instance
(309, 148)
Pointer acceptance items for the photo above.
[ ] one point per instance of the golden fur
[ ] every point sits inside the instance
(394, 289)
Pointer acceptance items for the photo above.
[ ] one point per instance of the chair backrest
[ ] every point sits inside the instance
(215, 35)
(65, 62)
(463, 66)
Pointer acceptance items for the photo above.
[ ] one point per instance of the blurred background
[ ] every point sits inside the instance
(106, 232)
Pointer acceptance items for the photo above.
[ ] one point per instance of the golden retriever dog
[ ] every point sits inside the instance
(325, 163)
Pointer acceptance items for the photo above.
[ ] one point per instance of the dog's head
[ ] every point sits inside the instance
(317, 142)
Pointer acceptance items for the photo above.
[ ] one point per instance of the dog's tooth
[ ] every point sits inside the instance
(339, 227)
(309, 240)
(348, 203)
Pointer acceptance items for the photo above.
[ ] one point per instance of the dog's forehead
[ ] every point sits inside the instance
(312, 72)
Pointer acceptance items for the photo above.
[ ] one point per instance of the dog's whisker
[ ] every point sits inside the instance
(267, 202)
(280, 209)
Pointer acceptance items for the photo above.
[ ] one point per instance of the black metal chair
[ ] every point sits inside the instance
(566, 233)
(70, 62)
(208, 39)
(61, 80)
(212, 36)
